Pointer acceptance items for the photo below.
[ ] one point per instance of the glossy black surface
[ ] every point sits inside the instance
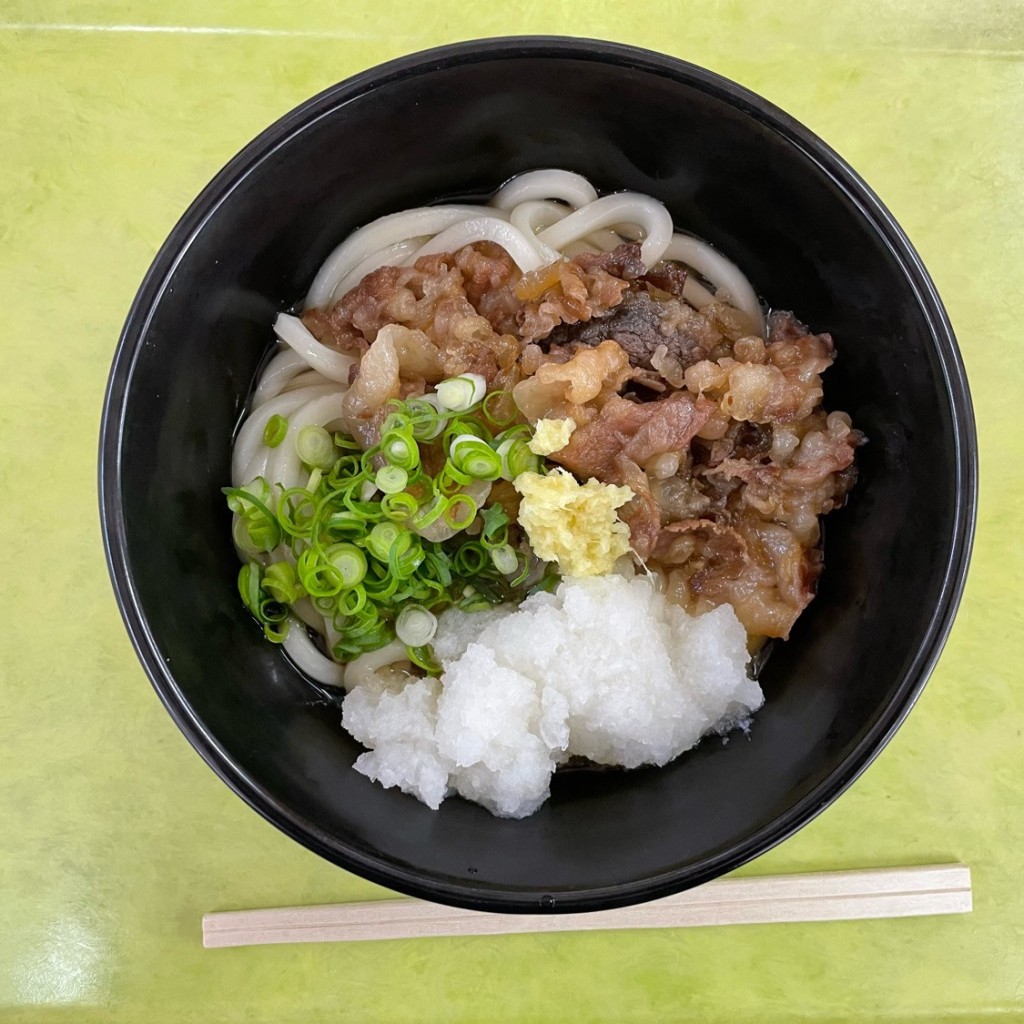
(458, 122)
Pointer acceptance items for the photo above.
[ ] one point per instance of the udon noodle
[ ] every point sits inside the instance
(537, 217)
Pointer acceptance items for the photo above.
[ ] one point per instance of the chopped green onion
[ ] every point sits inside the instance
(405, 555)
(461, 511)
(519, 430)
(491, 408)
(470, 559)
(349, 561)
(320, 578)
(263, 530)
(495, 527)
(261, 525)
(382, 539)
(399, 418)
(272, 611)
(352, 601)
(277, 632)
(451, 480)
(249, 586)
(244, 499)
(399, 447)
(367, 460)
(516, 458)
(547, 582)
(423, 657)
(346, 442)
(525, 566)
(296, 510)
(360, 639)
(316, 447)
(440, 566)
(456, 428)
(397, 450)
(505, 559)
(493, 591)
(240, 535)
(429, 513)
(346, 524)
(365, 510)
(345, 470)
(314, 480)
(391, 479)
(271, 614)
(381, 588)
(475, 457)
(282, 582)
(275, 430)
(473, 601)
(461, 393)
(415, 626)
(426, 418)
(399, 507)
(421, 486)
(394, 528)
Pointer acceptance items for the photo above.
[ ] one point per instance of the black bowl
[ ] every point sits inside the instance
(456, 122)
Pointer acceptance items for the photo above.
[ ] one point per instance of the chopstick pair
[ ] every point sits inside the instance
(770, 899)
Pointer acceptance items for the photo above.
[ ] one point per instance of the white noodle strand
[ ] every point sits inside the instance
(391, 255)
(524, 252)
(732, 285)
(580, 248)
(552, 183)
(304, 653)
(250, 436)
(605, 239)
(377, 235)
(307, 379)
(365, 669)
(303, 608)
(277, 375)
(329, 633)
(292, 331)
(535, 215)
(257, 465)
(285, 467)
(629, 207)
(695, 293)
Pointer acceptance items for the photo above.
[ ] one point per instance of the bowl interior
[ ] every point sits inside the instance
(729, 170)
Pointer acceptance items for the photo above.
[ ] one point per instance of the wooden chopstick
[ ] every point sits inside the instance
(770, 899)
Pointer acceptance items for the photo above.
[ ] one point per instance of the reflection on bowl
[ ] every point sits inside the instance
(456, 123)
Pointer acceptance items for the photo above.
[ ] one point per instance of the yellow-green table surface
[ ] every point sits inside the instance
(115, 837)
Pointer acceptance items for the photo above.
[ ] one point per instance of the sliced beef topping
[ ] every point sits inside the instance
(638, 430)
(623, 262)
(647, 327)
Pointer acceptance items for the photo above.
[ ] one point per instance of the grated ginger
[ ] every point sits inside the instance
(573, 524)
(550, 436)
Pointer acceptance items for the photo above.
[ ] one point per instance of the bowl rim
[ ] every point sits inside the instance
(379, 869)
